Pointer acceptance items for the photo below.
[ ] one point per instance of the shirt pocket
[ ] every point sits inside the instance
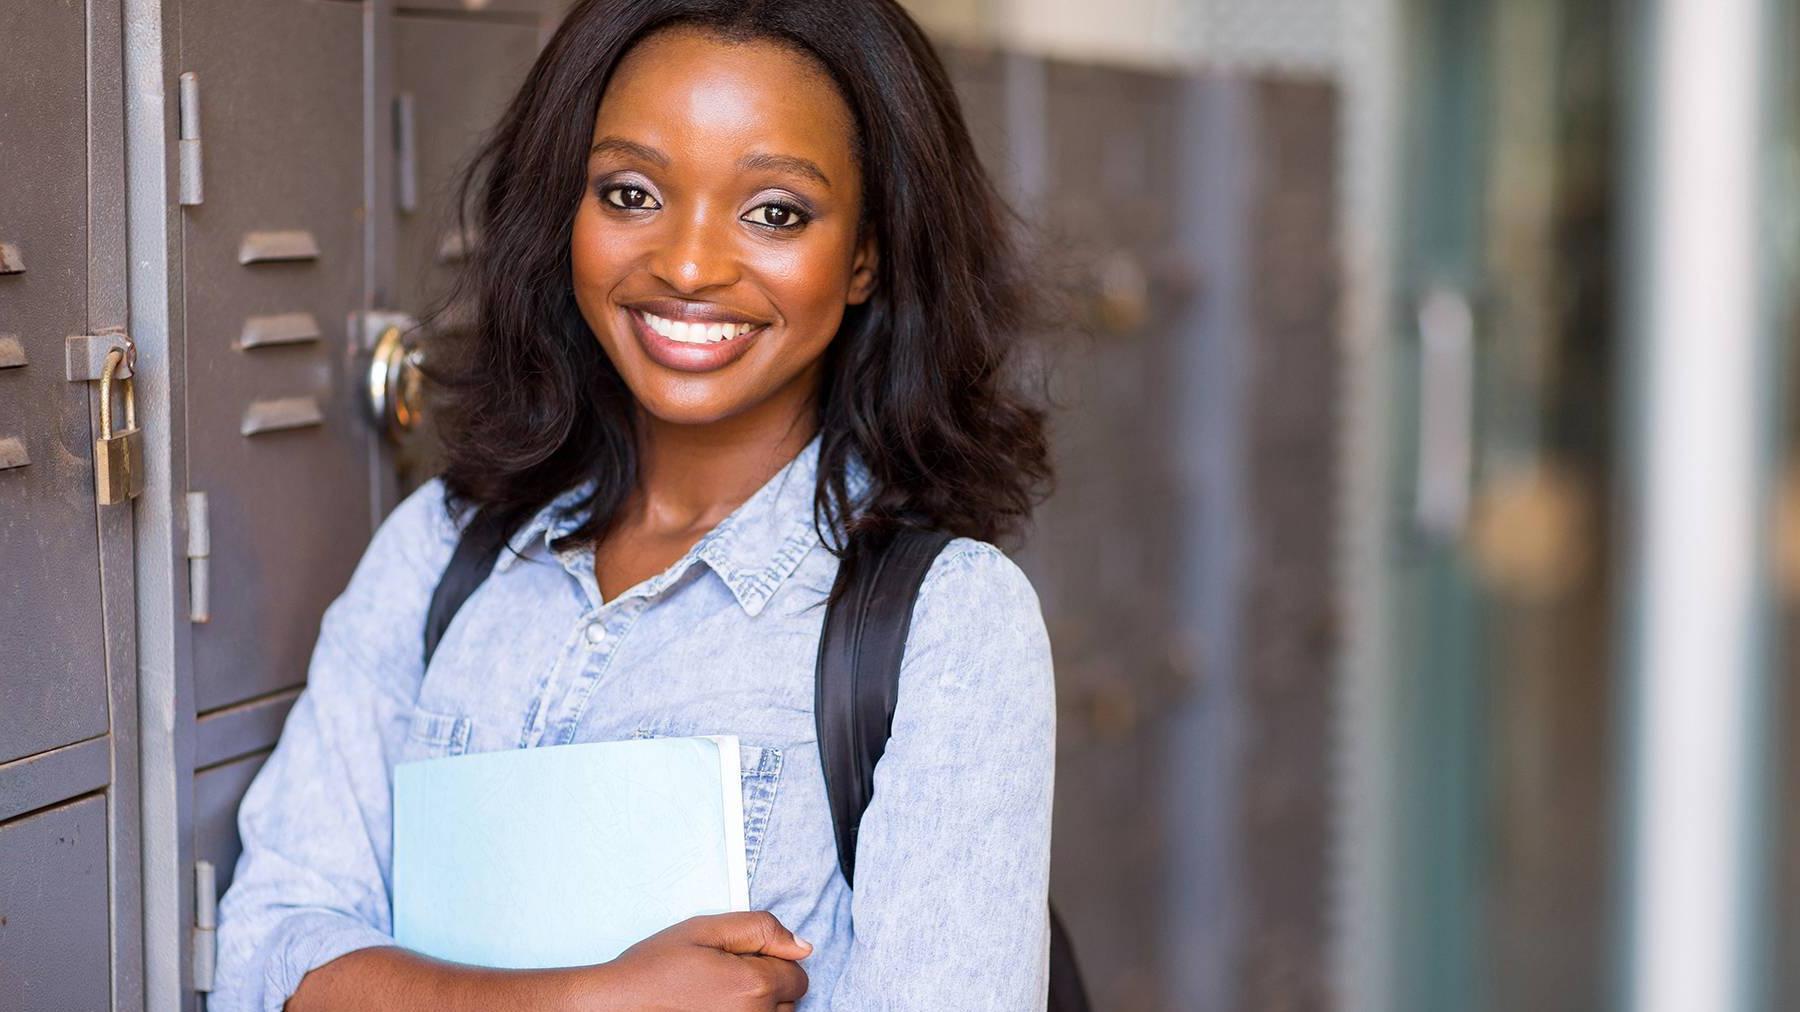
(759, 773)
(430, 734)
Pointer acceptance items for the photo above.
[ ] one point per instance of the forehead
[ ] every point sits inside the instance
(683, 87)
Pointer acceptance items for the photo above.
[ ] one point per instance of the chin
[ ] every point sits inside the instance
(679, 404)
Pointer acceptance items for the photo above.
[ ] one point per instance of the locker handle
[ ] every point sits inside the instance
(395, 382)
(406, 153)
(1446, 414)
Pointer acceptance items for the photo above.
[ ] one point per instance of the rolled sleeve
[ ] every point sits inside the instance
(950, 906)
(312, 882)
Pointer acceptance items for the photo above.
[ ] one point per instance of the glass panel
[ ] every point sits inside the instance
(1502, 589)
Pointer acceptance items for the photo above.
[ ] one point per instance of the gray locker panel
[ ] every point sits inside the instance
(52, 652)
(281, 91)
(1108, 550)
(481, 11)
(979, 78)
(53, 910)
(217, 792)
(450, 110)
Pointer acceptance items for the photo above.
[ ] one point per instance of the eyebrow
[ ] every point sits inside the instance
(785, 163)
(621, 146)
(775, 163)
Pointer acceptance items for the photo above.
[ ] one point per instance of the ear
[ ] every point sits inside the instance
(862, 271)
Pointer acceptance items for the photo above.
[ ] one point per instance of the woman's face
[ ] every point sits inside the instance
(716, 246)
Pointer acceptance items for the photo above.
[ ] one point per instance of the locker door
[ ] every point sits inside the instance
(441, 112)
(69, 900)
(291, 509)
(274, 264)
(1091, 155)
(282, 467)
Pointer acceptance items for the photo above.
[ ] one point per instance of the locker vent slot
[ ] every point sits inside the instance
(281, 328)
(12, 353)
(281, 413)
(277, 247)
(12, 453)
(11, 260)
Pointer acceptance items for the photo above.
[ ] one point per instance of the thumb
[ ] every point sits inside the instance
(754, 933)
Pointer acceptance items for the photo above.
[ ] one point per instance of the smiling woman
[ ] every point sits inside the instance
(802, 167)
(743, 303)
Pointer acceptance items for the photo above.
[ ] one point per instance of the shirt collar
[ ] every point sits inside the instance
(753, 550)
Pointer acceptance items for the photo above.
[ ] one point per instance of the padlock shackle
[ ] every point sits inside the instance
(113, 358)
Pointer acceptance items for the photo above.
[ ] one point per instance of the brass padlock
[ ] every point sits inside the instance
(118, 456)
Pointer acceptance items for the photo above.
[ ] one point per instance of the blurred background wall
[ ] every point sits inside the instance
(1423, 569)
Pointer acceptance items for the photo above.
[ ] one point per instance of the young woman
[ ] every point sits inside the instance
(741, 287)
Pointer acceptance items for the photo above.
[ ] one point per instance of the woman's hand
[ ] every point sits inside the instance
(740, 962)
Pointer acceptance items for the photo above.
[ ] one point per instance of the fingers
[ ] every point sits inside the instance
(785, 981)
(752, 933)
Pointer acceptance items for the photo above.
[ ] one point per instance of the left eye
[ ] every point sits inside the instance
(777, 216)
(628, 197)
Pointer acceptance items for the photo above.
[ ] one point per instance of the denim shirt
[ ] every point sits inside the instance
(953, 858)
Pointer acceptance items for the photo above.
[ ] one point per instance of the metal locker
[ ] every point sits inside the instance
(440, 114)
(274, 256)
(441, 111)
(217, 791)
(1091, 163)
(52, 648)
(70, 906)
(317, 144)
(53, 910)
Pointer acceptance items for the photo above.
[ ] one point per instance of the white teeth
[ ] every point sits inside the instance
(695, 333)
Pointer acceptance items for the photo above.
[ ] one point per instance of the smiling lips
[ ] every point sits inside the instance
(703, 338)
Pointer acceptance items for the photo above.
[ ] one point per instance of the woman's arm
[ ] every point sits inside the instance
(950, 905)
(722, 963)
(312, 881)
(307, 915)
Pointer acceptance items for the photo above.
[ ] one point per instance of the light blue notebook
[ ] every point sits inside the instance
(568, 854)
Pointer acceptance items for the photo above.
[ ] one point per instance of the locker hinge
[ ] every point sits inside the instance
(193, 190)
(206, 912)
(199, 556)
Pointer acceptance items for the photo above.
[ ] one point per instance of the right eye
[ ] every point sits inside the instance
(628, 197)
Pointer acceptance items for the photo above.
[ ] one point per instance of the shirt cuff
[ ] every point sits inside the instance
(303, 943)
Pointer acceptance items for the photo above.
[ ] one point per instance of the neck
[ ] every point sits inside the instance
(690, 477)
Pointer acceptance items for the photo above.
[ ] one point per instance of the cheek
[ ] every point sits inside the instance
(596, 256)
(811, 282)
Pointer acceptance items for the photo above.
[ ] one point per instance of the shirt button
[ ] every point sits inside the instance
(595, 633)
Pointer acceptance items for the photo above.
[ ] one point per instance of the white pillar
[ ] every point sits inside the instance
(1696, 330)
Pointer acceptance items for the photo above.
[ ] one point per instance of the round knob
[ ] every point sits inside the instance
(396, 386)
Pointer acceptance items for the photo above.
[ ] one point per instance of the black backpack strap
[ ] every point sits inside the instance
(476, 552)
(858, 675)
(857, 683)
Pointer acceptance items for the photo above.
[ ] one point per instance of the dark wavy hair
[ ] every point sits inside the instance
(917, 383)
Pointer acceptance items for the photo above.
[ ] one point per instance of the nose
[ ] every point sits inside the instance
(697, 255)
